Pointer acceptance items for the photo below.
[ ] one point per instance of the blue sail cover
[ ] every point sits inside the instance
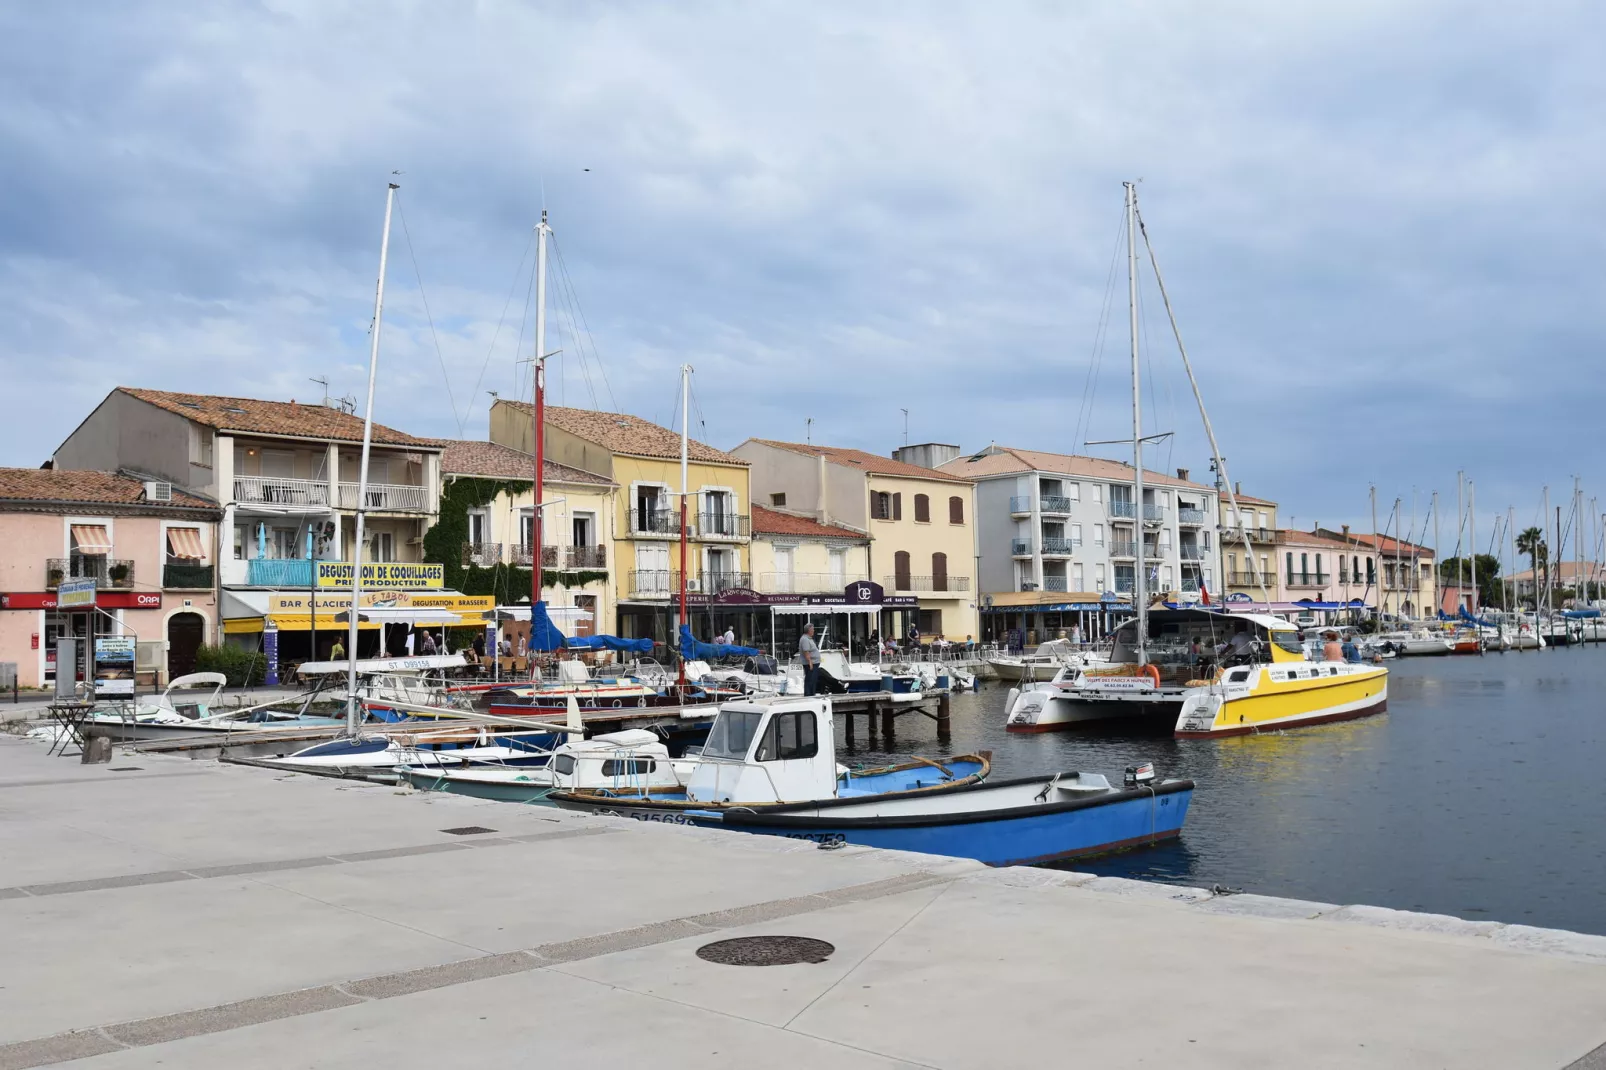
(1461, 612)
(1580, 614)
(693, 649)
(610, 642)
(544, 635)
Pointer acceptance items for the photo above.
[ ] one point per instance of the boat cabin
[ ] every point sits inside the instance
(1190, 644)
(768, 750)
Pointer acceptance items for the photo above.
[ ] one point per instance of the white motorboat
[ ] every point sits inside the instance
(1417, 643)
(634, 760)
(1041, 664)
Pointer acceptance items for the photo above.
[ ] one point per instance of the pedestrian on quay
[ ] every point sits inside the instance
(338, 651)
(730, 635)
(808, 652)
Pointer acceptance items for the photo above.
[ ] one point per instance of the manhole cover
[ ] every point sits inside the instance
(468, 830)
(124, 768)
(765, 951)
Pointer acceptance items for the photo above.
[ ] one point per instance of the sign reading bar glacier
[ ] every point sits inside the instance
(377, 575)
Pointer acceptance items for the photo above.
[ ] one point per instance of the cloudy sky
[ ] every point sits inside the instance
(1380, 223)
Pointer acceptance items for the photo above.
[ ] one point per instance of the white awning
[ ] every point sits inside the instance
(825, 611)
(404, 615)
(562, 616)
(368, 666)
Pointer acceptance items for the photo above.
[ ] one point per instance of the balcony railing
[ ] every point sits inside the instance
(273, 490)
(1123, 509)
(654, 522)
(1249, 579)
(650, 583)
(1308, 579)
(1059, 547)
(521, 555)
(482, 554)
(1191, 554)
(1020, 548)
(1123, 548)
(1154, 512)
(1254, 534)
(279, 572)
(1054, 503)
(1192, 517)
(586, 557)
(717, 582)
(1020, 503)
(927, 583)
(187, 577)
(805, 582)
(1190, 583)
(1125, 584)
(722, 526)
(386, 498)
(1055, 583)
(109, 574)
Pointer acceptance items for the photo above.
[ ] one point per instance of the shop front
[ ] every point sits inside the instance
(306, 627)
(1041, 616)
(166, 629)
(775, 621)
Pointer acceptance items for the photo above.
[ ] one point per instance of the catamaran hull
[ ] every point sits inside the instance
(1059, 712)
(1000, 824)
(1209, 716)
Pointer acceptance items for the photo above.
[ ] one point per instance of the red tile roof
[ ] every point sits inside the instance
(772, 522)
(464, 457)
(271, 417)
(631, 435)
(1009, 460)
(72, 487)
(873, 463)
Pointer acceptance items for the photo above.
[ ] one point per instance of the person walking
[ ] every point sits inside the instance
(338, 651)
(730, 635)
(808, 652)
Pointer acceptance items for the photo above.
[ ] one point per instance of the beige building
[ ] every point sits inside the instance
(577, 531)
(1250, 569)
(642, 461)
(794, 554)
(1403, 575)
(919, 523)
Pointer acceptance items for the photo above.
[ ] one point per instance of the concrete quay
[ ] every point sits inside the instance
(159, 911)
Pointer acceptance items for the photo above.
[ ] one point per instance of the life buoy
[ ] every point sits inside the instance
(1152, 671)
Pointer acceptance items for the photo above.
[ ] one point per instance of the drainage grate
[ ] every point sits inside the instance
(765, 951)
(124, 768)
(468, 830)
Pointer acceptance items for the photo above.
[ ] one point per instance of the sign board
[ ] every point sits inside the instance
(103, 599)
(114, 665)
(378, 575)
(66, 653)
(336, 602)
(270, 652)
(76, 594)
(1118, 683)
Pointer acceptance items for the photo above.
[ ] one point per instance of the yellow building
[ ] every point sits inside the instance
(918, 522)
(642, 461)
(575, 536)
(1245, 568)
(795, 554)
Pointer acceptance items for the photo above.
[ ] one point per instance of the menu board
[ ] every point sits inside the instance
(114, 665)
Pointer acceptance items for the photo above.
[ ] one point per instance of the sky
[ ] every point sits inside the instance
(1380, 224)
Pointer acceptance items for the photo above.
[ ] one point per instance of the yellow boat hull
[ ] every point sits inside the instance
(1276, 704)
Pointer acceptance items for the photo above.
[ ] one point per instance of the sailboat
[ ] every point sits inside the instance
(1207, 672)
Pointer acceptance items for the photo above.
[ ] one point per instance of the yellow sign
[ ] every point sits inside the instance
(338, 603)
(382, 574)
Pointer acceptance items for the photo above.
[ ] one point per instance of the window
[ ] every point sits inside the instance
(563, 764)
(922, 509)
(617, 767)
(1098, 575)
(584, 529)
(930, 621)
(478, 524)
(939, 572)
(1098, 492)
(897, 506)
(881, 505)
(1232, 564)
(1098, 532)
(778, 500)
(1318, 568)
(790, 736)
(1290, 566)
(1304, 568)
(201, 445)
(1165, 577)
(1076, 534)
(284, 543)
(1265, 520)
(382, 547)
(1165, 538)
(839, 568)
(184, 546)
(1076, 576)
(956, 510)
(241, 541)
(1165, 497)
(783, 569)
(1265, 567)
(1073, 491)
(1371, 570)
(1204, 540)
(900, 570)
(732, 734)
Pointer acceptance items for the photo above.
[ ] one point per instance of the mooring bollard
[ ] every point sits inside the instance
(945, 710)
(97, 750)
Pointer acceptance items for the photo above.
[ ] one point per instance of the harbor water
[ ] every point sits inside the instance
(1478, 794)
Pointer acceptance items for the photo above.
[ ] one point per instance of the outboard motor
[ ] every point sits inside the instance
(1138, 776)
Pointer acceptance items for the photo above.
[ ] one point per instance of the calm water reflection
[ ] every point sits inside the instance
(1478, 794)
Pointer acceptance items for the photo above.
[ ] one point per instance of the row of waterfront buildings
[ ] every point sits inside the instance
(216, 520)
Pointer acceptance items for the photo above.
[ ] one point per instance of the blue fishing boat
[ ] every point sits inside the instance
(769, 767)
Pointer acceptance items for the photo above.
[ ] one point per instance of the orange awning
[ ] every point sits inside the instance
(185, 543)
(91, 539)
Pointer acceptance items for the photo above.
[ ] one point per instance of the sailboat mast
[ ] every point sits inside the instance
(1375, 560)
(685, 396)
(1139, 600)
(362, 474)
(538, 415)
(1472, 539)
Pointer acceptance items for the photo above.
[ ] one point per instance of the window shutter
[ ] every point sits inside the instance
(939, 572)
(922, 509)
(900, 570)
(897, 506)
(956, 510)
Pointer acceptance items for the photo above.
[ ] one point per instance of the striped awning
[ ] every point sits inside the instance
(91, 539)
(185, 544)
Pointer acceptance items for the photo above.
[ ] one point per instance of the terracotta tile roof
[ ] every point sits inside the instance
(464, 457)
(1245, 499)
(1287, 537)
(1008, 460)
(771, 522)
(873, 463)
(84, 487)
(271, 417)
(1563, 572)
(1385, 544)
(622, 433)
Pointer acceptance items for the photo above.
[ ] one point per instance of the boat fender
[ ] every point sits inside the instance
(617, 704)
(641, 703)
(1014, 693)
(1152, 671)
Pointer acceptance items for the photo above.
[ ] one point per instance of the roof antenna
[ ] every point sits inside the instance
(323, 381)
(808, 431)
(905, 426)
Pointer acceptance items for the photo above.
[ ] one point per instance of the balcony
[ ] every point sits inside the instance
(654, 522)
(272, 490)
(1054, 503)
(482, 554)
(646, 583)
(1020, 548)
(1125, 584)
(585, 557)
(1020, 505)
(1055, 583)
(109, 574)
(718, 582)
(521, 555)
(1192, 555)
(722, 526)
(187, 577)
(1058, 547)
(1249, 579)
(386, 498)
(1123, 510)
(1153, 514)
(1190, 517)
(804, 582)
(927, 583)
(279, 572)
(1123, 548)
(1190, 584)
(1238, 535)
(1308, 579)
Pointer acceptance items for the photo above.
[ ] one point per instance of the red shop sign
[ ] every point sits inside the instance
(103, 599)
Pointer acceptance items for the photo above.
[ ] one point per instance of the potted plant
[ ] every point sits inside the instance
(53, 578)
(118, 572)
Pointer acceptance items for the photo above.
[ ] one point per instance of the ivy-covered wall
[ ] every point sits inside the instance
(443, 545)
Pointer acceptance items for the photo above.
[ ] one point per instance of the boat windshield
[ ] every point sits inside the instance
(732, 734)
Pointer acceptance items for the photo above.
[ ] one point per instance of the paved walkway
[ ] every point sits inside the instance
(186, 914)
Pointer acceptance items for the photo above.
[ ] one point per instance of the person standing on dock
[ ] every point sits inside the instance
(808, 652)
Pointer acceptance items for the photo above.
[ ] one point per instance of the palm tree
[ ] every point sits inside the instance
(1532, 542)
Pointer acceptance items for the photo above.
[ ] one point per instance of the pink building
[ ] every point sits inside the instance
(150, 549)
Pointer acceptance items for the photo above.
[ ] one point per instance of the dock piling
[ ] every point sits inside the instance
(944, 717)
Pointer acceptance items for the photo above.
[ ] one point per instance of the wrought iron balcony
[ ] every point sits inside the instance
(482, 554)
(1056, 547)
(651, 583)
(521, 554)
(1020, 548)
(1123, 548)
(927, 583)
(386, 498)
(585, 557)
(1020, 503)
(278, 572)
(273, 490)
(722, 526)
(1123, 510)
(1249, 579)
(186, 576)
(109, 574)
(1125, 584)
(805, 582)
(1308, 579)
(655, 522)
(1053, 503)
(1056, 583)
(1189, 516)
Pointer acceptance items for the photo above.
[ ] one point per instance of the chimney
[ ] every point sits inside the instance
(1238, 487)
(1182, 474)
(1346, 533)
(1314, 528)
